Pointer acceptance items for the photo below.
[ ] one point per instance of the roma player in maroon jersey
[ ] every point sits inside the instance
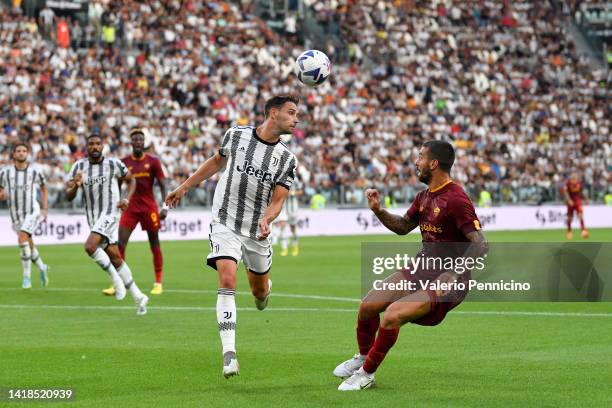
(444, 213)
(143, 208)
(573, 198)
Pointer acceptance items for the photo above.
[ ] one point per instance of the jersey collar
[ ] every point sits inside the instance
(100, 162)
(137, 159)
(259, 139)
(441, 187)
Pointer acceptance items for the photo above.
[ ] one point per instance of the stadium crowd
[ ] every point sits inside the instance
(505, 84)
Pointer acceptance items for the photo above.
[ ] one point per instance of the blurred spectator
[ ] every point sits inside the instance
(63, 33)
(46, 19)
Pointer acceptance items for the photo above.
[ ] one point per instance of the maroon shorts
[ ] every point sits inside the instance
(440, 305)
(148, 220)
(439, 309)
(576, 207)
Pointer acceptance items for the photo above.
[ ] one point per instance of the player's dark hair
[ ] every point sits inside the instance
(19, 144)
(92, 135)
(136, 131)
(441, 151)
(278, 101)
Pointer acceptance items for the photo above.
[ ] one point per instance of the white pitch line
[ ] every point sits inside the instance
(174, 308)
(203, 292)
(297, 309)
(517, 313)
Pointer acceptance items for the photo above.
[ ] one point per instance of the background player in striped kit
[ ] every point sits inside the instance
(98, 178)
(259, 172)
(289, 216)
(19, 184)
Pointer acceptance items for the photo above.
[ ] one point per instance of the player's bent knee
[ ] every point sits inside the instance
(23, 237)
(90, 248)
(368, 310)
(391, 321)
(401, 312)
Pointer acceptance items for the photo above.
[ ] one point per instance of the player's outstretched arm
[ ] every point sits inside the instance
(210, 167)
(396, 223)
(73, 185)
(2, 194)
(272, 211)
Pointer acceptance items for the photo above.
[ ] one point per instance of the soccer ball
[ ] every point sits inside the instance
(312, 67)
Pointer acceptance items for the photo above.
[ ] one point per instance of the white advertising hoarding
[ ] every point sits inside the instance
(184, 225)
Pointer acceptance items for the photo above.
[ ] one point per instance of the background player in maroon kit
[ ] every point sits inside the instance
(143, 208)
(444, 213)
(573, 198)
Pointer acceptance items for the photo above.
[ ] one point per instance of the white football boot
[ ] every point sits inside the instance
(142, 305)
(230, 364)
(349, 367)
(358, 381)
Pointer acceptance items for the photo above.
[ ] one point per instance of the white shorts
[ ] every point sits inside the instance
(29, 224)
(226, 244)
(108, 227)
(289, 217)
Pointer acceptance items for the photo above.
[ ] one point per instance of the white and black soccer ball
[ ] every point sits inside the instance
(312, 67)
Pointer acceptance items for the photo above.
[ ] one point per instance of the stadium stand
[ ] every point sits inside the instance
(504, 83)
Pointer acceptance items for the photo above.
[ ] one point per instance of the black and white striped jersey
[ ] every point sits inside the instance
(254, 168)
(292, 204)
(100, 186)
(21, 189)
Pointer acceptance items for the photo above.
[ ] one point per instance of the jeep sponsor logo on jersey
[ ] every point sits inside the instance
(248, 168)
(95, 180)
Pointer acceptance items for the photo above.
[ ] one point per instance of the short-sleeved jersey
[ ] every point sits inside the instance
(445, 214)
(254, 168)
(100, 186)
(145, 170)
(21, 189)
(574, 189)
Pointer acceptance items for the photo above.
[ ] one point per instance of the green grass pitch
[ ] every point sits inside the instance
(70, 335)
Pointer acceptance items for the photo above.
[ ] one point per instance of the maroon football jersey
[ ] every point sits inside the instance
(574, 189)
(444, 214)
(145, 170)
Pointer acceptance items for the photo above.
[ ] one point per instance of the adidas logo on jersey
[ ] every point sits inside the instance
(242, 149)
(248, 168)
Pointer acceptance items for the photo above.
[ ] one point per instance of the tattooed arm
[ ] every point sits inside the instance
(396, 223)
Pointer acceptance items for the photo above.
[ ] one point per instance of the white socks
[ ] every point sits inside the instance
(37, 259)
(294, 238)
(102, 259)
(26, 259)
(283, 239)
(126, 276)
(226, 317)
